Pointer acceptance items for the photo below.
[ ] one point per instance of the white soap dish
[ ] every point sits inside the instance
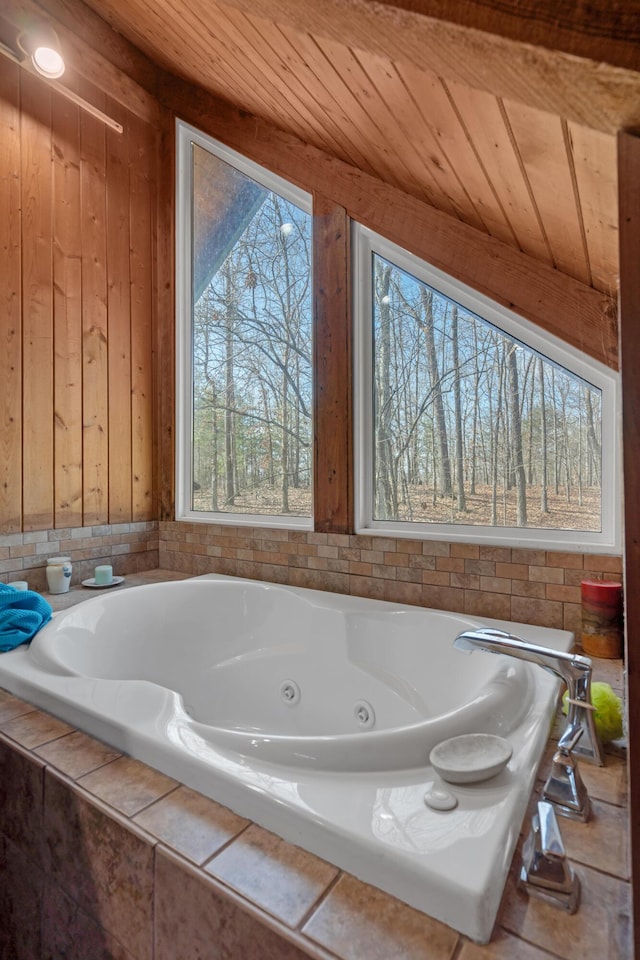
(470, 758)
(102, 586)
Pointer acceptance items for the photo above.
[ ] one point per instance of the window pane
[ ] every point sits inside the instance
(251, 345)
(470, 425)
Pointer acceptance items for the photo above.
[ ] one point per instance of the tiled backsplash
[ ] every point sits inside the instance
(528, 586)
(128, 547)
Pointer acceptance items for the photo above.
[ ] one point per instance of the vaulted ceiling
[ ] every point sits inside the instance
(505, 121)
(537, 180)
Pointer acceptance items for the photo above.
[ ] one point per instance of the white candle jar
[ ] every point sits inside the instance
(59, 571)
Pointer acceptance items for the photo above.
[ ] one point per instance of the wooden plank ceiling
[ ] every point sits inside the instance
(541, 182)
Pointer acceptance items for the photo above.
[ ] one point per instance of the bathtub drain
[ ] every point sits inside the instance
(290, 692)
(364, 714)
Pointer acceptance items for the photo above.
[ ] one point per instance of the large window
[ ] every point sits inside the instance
(472, 424)
(244, 365)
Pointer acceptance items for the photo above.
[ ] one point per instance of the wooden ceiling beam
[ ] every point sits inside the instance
(515, 64)
(603, 31)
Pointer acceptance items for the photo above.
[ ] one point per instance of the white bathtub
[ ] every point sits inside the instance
(312, 714)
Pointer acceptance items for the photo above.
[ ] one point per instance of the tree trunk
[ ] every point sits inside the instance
(544, 505)
(515, 420)
(495, 446)
(385, 484)
(229, 395)
(595, 447)
(214, 455)
(284, 448)
(436, 387)
(462, 504)
(474, 430)
(556, 451)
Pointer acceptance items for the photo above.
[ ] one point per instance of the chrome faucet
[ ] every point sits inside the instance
(565, 788)
(546, 872)
(574, 669)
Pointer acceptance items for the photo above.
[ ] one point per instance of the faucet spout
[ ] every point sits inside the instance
(572, 668)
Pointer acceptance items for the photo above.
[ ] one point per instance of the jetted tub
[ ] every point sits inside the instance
(312, 714)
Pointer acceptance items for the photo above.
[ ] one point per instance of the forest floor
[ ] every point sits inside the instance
(563, 513)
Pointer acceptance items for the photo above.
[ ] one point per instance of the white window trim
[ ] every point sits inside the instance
(185, 136)
(607, 541)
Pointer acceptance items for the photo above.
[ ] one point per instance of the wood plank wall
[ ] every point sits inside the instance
(629, 178)
(86, 432)
(333, 435)
(77, 275)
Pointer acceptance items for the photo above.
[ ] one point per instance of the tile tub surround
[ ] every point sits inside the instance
(541, 587)
(129, 547)
(95, 845)
(455, 872)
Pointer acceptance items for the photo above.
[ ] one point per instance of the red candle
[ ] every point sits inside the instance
(602, 618)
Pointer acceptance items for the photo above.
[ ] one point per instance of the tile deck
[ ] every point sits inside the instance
(217, 882)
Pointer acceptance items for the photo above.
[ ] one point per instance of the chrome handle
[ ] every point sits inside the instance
(551, 844)
(546, 872)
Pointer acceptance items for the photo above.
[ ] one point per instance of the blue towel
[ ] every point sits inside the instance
(22, 613)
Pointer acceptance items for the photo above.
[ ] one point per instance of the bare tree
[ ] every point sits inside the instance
(426, 321)
(462, 505)
(595, 447)
(386, 483)
(544, 504)
(515, 448)
(495, 422)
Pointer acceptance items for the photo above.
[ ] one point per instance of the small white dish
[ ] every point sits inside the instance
(102, 586)
(470, 758)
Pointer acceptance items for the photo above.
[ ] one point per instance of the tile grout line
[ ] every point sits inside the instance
(250, 907)
(315, 906)
(132, 816)
(225, 846)
(458, 947)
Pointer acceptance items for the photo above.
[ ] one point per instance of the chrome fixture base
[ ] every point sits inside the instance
(546, 873)
(569, 902)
